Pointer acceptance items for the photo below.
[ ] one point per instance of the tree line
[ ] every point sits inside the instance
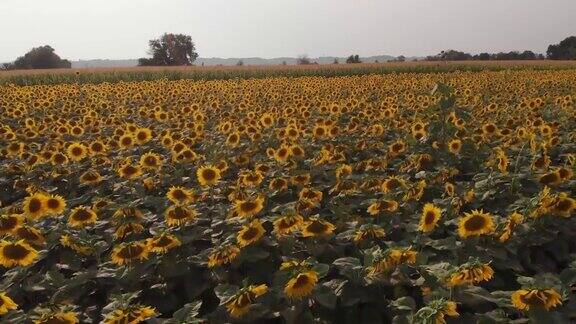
(179, 49)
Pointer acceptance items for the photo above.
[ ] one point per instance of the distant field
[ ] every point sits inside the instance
(98, 75)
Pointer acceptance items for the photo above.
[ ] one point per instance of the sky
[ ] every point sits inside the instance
(120, 29)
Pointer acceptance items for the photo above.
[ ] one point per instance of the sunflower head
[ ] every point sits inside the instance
(208, 175)
(16, 253)
(430, 217)
(475, 223)
(301, 284)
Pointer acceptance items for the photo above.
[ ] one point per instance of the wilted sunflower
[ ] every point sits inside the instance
(16, 254)
(128, 228)
(134, 314)
(475, 223)
(278, 184)
(564, 206)
(70, 242)
(179, 215)
(250, 233)
(6, 304)
(35, 206)
(301, 285)
(244, 298)
(316, 227)
(439, 310)
(58, 317)
(550, 179)
(392, 183)
(251, 178)
(30, 234)
(90, 177)
(390, 260)
(9, 223)
(430, 217)
(223, 255)
(472, 273)
(287, 224)
(369, 232)
(536, 298)
(513, 220)
(310, 195)
(127, 253)
(163, 243)
(208, 175)
(249, 207)
(180, 196)
(82, 216)
(378, 207)
(55, 205)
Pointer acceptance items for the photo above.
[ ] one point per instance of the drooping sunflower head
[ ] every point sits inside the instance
(163, 243)
(317, 227)
(58, 317)
(301, 285)
(6, 304)
(250, 233)
(525, 299)
(130, 252)
(179, 215)
(90, 177)
(287, 224)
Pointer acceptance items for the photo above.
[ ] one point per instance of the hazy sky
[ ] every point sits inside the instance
(87, 29)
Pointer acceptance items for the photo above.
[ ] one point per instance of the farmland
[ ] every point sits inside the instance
(444, 193)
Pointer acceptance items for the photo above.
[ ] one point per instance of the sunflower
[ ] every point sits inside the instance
(82, 216)
(179, 215)
(30, 234)
(129, 171)
(128, 228)
(132, 315)
(208, 175)
(60, 317)
(9, 223)
(392, 183)
(97, 148)
(475, 223)
(392, 259)
(536, 298)
(316, 227)
(565, 173)
(397, 148)
(564, 205)
(287, 224)
(70, 242)
(55, 205)
(250, 233)
(241, 302)
(90, 177)
(282, 154)
(6, 304)
(471, 274)
(513, 220)
(180, 196)
(301, 179)
(58, 159)
(127, 253)
(150, 161)
(249, 207)
(34, 206)
(77, 151)
(430, 216)
(143, 135)
(16, 254)
(445, 308)
(369, 232)
(278, 184)
(310, 195)
(301, 285)
(233, 139)
(454, 146)
(126, 141)
(163, 243)
(223, 255)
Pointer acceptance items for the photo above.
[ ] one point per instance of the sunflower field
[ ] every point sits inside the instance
(398, 198)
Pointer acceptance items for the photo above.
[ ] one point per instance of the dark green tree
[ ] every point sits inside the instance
(565, 50)
(170, 49)
(353, 59)
(42, 57)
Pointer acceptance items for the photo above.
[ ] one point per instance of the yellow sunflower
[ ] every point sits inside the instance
(223, 255)
(536, 298)
(77, 151)
(250, 233)
(249, 207)
(208, 175)
(59, 317)
(150, 161)
(180, 196)
(475, 223)
(82, 216)
(9, 223)
(90, 177)
(55, 205)
(317, 227)
(163, 243)
(34, 206)
(430, 217)
(287, 224)
(240, 304)
(471, 274)
(16, 254)
(179, 215)
(6, 304)
(127, 253)
(301, 285)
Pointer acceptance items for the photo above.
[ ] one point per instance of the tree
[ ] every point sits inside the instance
(303, 60)
(240, 63)
(170, 49)
(353, 59)
(565, 50)
(42, 57)
(335, 61)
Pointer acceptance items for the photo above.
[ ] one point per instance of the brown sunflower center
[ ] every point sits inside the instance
(250, 234)
(81, 215)
(429, 217)
(301, 281)
(475, 223)
(35, 205)
(8, 223)
(27, 234)
(130, 170)
(163, 241)
(208, 174)
(77, 151)
(564, 205)
(179, 213)
(248, 206)
(150, 160)
(130, 251)
(317, 227)
(53, 203)
(15, 251)
(179, 194)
